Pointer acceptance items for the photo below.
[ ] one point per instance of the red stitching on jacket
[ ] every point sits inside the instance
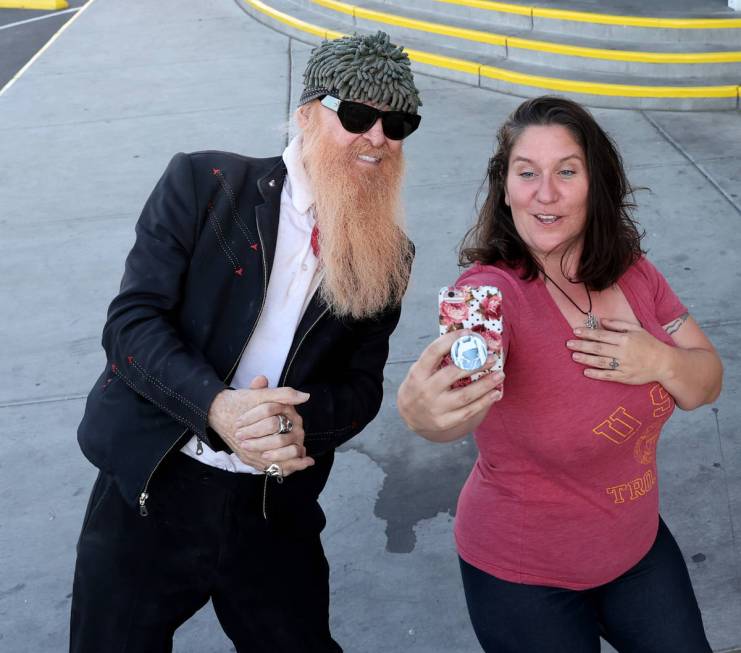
(226, 187)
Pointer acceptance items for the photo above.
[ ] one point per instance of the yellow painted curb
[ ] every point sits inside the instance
(412, 23)
(614, 90)
(531, 44)
(600, 19)
(626, 55)
(459, 65)
(34, 4)
(294, 22)
(521, 79)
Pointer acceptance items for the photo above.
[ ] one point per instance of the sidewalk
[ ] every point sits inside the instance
(85, 133)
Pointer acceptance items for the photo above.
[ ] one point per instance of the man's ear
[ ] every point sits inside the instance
(302, 115)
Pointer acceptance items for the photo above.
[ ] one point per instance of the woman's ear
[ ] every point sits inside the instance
(506, 196)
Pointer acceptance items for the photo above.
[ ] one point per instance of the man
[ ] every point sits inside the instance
(247, 342)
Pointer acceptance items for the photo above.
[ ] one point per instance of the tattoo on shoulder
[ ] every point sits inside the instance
(675, 325)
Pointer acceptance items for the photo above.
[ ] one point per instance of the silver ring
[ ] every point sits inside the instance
(275, 471)
(285, 425)
(614, 364)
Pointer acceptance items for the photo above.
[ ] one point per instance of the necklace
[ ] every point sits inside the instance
(591, 322)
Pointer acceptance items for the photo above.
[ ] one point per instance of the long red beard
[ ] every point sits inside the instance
(364, 252)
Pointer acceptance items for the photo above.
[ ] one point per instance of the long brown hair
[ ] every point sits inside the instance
(612, 240)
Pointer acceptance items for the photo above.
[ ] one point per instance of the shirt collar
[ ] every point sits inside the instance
(299, 188)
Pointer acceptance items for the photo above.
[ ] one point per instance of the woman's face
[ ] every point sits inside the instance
(546, 189)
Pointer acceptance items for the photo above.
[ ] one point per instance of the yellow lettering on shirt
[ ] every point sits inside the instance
(661, 399)
(617, 492)
(635, 489)
(645, 447)
(618, 427)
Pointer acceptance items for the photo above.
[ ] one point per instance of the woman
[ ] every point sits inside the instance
(558, 530)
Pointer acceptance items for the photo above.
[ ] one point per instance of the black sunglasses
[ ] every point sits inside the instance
(358, 118)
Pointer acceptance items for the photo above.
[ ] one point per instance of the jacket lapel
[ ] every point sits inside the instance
(316, 308)
(314, 312)
(267, 214)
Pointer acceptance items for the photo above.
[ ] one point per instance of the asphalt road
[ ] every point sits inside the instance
(24, 32)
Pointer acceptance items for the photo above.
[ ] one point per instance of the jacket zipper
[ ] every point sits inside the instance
(144, 496)
(283, 378)
(279, 480)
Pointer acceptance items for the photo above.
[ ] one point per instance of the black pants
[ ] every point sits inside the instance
(138, 578)
(649, 609)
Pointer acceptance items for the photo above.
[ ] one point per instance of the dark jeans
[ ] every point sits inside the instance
(651, 608)
(138, 578)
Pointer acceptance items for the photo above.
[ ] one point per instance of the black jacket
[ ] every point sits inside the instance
(192, 292)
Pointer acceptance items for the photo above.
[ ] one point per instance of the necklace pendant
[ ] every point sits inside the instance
(591, 322)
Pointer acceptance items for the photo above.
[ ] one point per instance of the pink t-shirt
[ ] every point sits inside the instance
(564, 491)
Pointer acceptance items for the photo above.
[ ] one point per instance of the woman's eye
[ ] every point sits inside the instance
(528, 174)
(568, 173)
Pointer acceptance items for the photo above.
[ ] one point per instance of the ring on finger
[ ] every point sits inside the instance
(285, 425)
(614, 364)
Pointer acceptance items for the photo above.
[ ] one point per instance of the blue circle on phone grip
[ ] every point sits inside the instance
(469, 352)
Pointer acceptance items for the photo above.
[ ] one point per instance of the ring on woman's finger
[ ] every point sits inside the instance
(614, 364)
(275, 471)
(285, 425)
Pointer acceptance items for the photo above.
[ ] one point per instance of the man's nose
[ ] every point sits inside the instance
(375, 134)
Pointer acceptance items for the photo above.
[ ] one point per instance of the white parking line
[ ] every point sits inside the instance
(15, 77)
(33, 20)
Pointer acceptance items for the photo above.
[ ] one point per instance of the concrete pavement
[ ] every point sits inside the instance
(85, 133)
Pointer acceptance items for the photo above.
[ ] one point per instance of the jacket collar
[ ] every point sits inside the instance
(267, 214)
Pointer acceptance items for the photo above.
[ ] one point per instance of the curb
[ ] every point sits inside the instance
(599, 19)
(499, 79)
(529, 44)
(43, 5)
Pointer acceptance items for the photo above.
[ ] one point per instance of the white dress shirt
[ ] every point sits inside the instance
(294, 278)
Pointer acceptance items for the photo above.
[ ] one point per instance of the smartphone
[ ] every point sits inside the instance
(478, 309)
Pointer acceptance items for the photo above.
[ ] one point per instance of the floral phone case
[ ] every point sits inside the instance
(479, 309)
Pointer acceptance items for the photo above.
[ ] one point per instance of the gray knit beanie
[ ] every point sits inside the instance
(364, 69)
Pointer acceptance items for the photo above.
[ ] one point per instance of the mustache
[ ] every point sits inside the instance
(369, 150)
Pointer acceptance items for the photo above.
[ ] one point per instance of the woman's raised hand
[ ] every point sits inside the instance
(430, 406)
(620, 351)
